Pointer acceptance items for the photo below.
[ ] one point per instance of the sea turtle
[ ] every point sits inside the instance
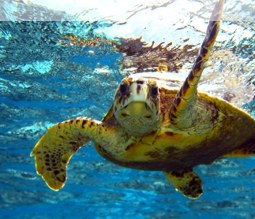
(152, 125)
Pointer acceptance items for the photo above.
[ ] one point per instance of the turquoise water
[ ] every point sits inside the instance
(45, 78)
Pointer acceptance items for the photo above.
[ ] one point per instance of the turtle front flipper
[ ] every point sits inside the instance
(187, 182)
(56, 147)
(183, 104)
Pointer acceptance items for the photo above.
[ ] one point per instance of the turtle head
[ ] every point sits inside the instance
(136, 105)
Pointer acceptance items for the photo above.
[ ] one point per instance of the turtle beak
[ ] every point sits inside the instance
(134, 92)
(139, 93)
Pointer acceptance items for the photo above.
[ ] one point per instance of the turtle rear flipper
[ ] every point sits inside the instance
(187, 182)
(248, 149)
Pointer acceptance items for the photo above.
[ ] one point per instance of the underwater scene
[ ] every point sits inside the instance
(64, 59)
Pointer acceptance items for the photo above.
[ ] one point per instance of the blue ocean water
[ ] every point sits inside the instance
(46, 76)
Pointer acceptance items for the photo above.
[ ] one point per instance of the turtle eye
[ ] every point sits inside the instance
(124, 89)
(154, 91)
